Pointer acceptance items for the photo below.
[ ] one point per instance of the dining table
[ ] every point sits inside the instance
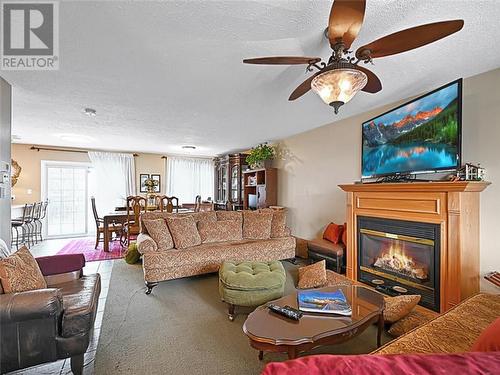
(119, 216)
(109, 219)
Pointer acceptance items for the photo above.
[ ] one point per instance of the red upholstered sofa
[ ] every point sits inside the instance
(404, 364)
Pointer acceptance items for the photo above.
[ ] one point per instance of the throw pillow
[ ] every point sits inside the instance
(278, 224)
(398, 307)
(159, 232)
(257, 225)
(184, 231)
(344, 235)
(204, 216)
(413, 320)
(312, 276)
(220, 231)
(489, 339)
(20, 272)
(229, 215)
(333, 232)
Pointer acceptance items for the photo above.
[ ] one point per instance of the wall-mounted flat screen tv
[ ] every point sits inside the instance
(421, 136)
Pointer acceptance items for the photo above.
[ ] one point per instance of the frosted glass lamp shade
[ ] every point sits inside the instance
(336, 87)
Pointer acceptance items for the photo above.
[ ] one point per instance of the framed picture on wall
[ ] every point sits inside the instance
(157, 177)
(142, 178)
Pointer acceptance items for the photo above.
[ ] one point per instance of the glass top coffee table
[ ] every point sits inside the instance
(271, 332)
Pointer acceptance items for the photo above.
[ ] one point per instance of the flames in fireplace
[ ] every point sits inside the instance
(394, 258)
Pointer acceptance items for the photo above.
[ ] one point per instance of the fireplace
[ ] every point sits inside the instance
(400, 257)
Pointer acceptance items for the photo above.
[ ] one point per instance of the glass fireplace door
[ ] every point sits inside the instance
(408, 260)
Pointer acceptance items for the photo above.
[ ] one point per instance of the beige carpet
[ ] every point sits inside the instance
(182, 328)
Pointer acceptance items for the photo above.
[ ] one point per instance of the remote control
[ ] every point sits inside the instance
(287, 311)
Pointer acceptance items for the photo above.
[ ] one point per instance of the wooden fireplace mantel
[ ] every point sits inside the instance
(453, 205)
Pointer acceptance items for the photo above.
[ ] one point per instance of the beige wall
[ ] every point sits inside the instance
(30, 162)
(150, 164)
(317, 161)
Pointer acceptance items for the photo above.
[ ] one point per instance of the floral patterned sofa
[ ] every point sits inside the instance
(181, 245)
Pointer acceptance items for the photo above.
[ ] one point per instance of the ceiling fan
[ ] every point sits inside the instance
(337, 81)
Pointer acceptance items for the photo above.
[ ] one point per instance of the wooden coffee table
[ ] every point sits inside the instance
(270, 332)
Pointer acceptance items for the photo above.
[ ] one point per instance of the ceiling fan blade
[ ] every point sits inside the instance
(409, 39)
(283, 60)
(374, 85)
(346, 18)
(305, 86)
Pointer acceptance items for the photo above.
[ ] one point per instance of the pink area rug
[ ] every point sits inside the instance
(85, 246)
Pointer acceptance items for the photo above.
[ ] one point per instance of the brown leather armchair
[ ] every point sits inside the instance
(45, 325)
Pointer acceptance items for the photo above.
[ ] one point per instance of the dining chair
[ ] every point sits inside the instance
(136, 205)
(197, 203)
(168, 204)
(115, 228)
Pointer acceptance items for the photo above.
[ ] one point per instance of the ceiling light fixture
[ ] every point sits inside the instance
(189, 147)
(339, 85)
(90, 112)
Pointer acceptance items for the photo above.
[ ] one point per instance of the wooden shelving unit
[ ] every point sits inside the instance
(262, 186)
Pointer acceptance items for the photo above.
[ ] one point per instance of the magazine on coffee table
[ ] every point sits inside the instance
(324, 302)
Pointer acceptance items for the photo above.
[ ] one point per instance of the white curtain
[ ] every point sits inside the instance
(114, 176)
(189, 177)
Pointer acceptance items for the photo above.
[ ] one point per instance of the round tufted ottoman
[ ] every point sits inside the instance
(250, 283)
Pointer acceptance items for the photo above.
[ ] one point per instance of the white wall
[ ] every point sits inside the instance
(315, 162)
(5, 139)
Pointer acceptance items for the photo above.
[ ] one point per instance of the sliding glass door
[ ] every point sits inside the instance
(65, 185)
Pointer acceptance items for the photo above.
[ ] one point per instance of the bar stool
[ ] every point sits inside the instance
(38, 220)
(22, 223)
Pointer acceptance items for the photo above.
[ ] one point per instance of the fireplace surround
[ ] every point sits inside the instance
(400, 257)
(453, 207)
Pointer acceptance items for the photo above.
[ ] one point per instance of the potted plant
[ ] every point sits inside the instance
(260, 156)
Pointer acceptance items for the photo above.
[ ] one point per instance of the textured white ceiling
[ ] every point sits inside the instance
(166, 74)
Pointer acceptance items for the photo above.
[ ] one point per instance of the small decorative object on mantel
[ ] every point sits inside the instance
(471, 172)
(16, 171)
(261, 156)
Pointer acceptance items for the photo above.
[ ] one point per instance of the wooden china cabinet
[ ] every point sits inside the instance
(228, 179)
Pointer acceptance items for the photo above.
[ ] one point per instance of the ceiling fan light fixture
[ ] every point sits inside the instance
(338, 86)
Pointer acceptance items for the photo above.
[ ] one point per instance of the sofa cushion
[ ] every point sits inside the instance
(257, 225)
(220, 231)
(452, 332)
(204, 216)
(229, 215)
(312, 276)
(159, 232)
(20, 272)
(278, 223)
(414, 319)
(208, 257)
(399, 306)
(489, 339)
(333, 233)
(184, 231)
(325, 247)
(80, 298)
